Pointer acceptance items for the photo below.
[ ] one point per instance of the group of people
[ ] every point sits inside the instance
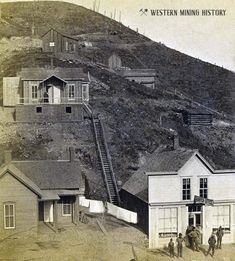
(192, 240)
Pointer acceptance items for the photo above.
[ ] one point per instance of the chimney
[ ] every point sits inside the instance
(176, 144)
(7, 156)
(71, 154)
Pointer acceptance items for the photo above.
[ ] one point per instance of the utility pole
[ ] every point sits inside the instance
(120, 16)
(98, 7)
(0, 12)
(114, 16)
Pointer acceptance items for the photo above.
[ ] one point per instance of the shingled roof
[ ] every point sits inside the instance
(159, 162)
(40, 74)
(49, 174)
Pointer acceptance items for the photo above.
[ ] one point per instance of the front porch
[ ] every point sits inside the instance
(57, 211)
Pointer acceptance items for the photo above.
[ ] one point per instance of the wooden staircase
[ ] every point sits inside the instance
(105, 164)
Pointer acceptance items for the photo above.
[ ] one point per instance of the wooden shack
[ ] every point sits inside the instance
(54, 41)
(146, 77)
(198, 117)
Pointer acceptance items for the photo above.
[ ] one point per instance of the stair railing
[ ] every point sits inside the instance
(100, 156)
(109, 160)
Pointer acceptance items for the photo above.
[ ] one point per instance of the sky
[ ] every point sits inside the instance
(210, 38)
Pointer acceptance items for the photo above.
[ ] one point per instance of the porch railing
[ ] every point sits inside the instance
(45, 100)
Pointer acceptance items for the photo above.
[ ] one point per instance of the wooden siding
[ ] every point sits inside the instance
(50, 113)
(63, 220)
(26, 205)
(61, 42)
(10, 91)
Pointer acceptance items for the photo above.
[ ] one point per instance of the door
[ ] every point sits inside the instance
(54, 94)
(195, 219)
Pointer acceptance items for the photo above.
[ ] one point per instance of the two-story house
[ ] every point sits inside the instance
(180, 189)
(46, 94)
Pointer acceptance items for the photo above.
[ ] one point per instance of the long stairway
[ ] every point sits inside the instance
(105, 163)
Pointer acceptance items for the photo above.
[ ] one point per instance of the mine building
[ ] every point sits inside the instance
(176, 189)
(45, 94)
(39, 191)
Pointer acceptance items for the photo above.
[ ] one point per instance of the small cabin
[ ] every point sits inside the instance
(197, 118)
(42, 94)
(56, 42)
(147, 77)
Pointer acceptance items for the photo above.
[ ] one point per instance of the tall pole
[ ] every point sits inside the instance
(120, 16)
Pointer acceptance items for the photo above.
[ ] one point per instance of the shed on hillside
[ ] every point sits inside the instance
(56, 42)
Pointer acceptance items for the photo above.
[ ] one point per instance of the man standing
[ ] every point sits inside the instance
(179, 241)
(194, 239)
(212, 243)
(219, 234)
(171, 248)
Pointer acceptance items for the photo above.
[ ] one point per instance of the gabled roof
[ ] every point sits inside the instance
(20, 176)
(164, 161)
(51, 174)
(64, 35)
(65, 74)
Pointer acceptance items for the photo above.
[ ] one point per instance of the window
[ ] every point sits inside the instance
(221, 217)
(68, 110)
(85, 92)
(71, 91)
(66, 207)
(34, 91)
(203, 191)
(167, 222)
(186, 192)
(38, 109)
(9, 215)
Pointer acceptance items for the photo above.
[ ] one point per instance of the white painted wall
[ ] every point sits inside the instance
(168, 188)
(48, 211)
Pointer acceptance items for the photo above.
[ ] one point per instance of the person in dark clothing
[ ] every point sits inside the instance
(179, 241)
(212, 243)
(194, 239)
(171, 248)
(219, 234)
(187, 237)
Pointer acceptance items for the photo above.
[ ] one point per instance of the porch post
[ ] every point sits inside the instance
(76, 209)
(55, 214)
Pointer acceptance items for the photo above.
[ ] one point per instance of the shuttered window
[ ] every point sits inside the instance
(9, 215)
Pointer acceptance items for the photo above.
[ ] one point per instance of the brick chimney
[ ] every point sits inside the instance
(71, 154)
(176, 143)
(7, 156)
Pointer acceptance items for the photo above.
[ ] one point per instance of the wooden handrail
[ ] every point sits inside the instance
(100, 155)
(109, 159)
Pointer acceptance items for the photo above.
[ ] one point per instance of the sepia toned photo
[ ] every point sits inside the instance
(117, 130)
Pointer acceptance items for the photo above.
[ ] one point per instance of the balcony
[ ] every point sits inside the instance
(50, 100)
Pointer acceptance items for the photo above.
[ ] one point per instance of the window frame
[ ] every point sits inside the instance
(34, 91)
(203, 190)
(64, 204)
(172, 219)
(227, 229)
(85, 91)
(186, 189)
(40, 108)
(9, 215)
(71, 85)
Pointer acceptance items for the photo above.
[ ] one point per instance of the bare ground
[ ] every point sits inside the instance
(87, 242)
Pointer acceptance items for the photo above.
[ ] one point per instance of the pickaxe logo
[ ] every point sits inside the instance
(143, 11)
